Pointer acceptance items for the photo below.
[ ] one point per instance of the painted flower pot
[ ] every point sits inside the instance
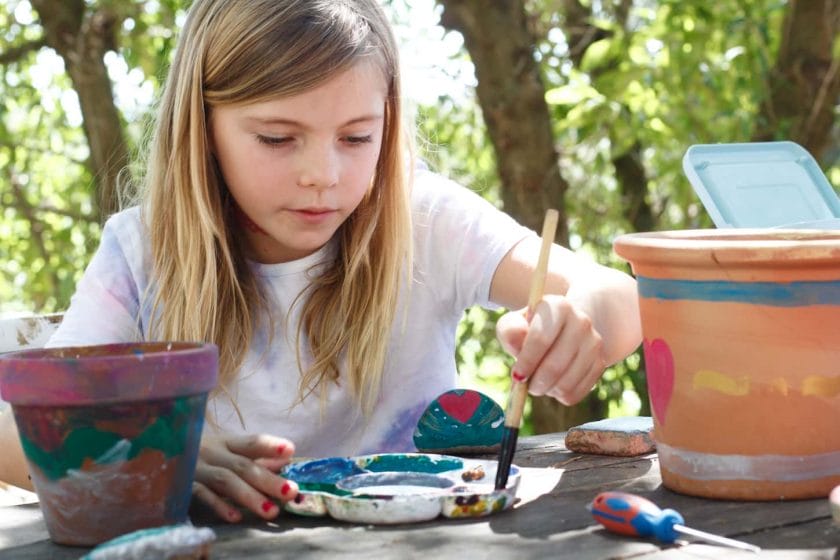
(110, 433)
(742, 352)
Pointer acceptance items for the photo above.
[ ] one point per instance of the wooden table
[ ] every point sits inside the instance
(550, 521)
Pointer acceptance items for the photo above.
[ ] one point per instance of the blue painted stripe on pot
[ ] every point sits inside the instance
(790, 294)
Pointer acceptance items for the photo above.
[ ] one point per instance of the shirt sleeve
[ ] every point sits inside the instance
(460, 239)
(104, 308)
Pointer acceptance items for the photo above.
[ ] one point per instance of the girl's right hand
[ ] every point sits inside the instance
(241, 471)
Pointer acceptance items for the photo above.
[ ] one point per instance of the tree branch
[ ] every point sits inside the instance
(77, 216)
(15, 54)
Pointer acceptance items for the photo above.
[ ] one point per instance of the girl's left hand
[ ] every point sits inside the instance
(560, 350)
(241, 470)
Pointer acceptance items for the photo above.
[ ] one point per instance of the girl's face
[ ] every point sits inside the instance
(298, 166)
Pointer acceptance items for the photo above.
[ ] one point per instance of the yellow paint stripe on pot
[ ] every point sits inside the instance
(722, 383)
(821, 386)
(780, 385)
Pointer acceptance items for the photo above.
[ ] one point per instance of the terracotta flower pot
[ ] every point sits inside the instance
(742, 353)
(110, 433)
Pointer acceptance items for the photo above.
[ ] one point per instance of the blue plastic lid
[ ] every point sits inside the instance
(760, 184)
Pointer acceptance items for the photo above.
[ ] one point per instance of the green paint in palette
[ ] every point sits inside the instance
(413, 463)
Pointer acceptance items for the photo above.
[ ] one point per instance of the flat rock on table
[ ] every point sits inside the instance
(621, 437)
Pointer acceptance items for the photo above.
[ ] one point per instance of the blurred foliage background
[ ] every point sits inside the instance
(583, 105)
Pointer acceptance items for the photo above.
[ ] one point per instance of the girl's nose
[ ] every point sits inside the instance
(318, 167)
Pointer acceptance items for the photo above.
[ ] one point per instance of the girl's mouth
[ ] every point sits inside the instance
(314, 215)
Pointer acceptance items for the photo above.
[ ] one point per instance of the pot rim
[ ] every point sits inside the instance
(106, 373)
(108, 351)
(760, 243)
(741, 245)
(732, 237)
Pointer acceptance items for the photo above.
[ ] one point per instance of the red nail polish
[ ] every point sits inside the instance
(285, 489)
(280, 449)
(298, 498)
(518, 376)
(267, 506)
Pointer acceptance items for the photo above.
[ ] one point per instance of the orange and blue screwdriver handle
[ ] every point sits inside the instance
(627, 514)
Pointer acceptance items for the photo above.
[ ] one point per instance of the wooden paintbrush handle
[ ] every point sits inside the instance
(516, 404)
(538, 279)
(519, 390)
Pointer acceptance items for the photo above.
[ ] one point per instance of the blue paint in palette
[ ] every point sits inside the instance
(387, 485)
(322, 474)
(331, 469)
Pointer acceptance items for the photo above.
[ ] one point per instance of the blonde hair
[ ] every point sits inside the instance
(243, 51)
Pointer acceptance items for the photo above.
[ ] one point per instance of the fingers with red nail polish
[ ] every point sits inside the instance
(243, 471)
(558, 351)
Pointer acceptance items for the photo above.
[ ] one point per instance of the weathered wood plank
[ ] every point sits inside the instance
(27, 332)
(703, 552)
(551, 520)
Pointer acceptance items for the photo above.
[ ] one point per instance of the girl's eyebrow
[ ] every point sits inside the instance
(291, 122)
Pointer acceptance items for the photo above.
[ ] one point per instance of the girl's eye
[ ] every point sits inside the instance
(358, 139)
(273, 141)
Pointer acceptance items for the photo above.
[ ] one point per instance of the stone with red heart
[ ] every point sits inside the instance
(460, 420)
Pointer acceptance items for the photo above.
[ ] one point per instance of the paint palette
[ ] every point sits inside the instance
(393, 488)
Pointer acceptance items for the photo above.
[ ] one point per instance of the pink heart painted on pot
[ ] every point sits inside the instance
(460, 404)
(660, 376)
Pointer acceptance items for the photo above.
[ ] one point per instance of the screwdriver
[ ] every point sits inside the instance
(628, 514)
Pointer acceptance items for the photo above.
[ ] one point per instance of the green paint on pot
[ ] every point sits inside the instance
(168, 433)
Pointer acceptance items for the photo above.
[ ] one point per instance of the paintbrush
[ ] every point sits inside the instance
(519, 389)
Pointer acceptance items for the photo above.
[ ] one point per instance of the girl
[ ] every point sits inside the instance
(280, 218)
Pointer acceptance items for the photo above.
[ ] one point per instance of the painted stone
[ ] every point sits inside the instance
(460, 421)
(172, 541)
(627, 436)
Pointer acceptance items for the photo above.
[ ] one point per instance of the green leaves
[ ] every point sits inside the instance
(49, 227)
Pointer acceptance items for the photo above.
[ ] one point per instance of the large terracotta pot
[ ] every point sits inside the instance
(742, 352)
(110, 433)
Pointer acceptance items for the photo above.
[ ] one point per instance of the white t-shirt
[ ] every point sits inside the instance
(459, 240)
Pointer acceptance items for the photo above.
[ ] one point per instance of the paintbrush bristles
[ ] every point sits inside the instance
(506, 457)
